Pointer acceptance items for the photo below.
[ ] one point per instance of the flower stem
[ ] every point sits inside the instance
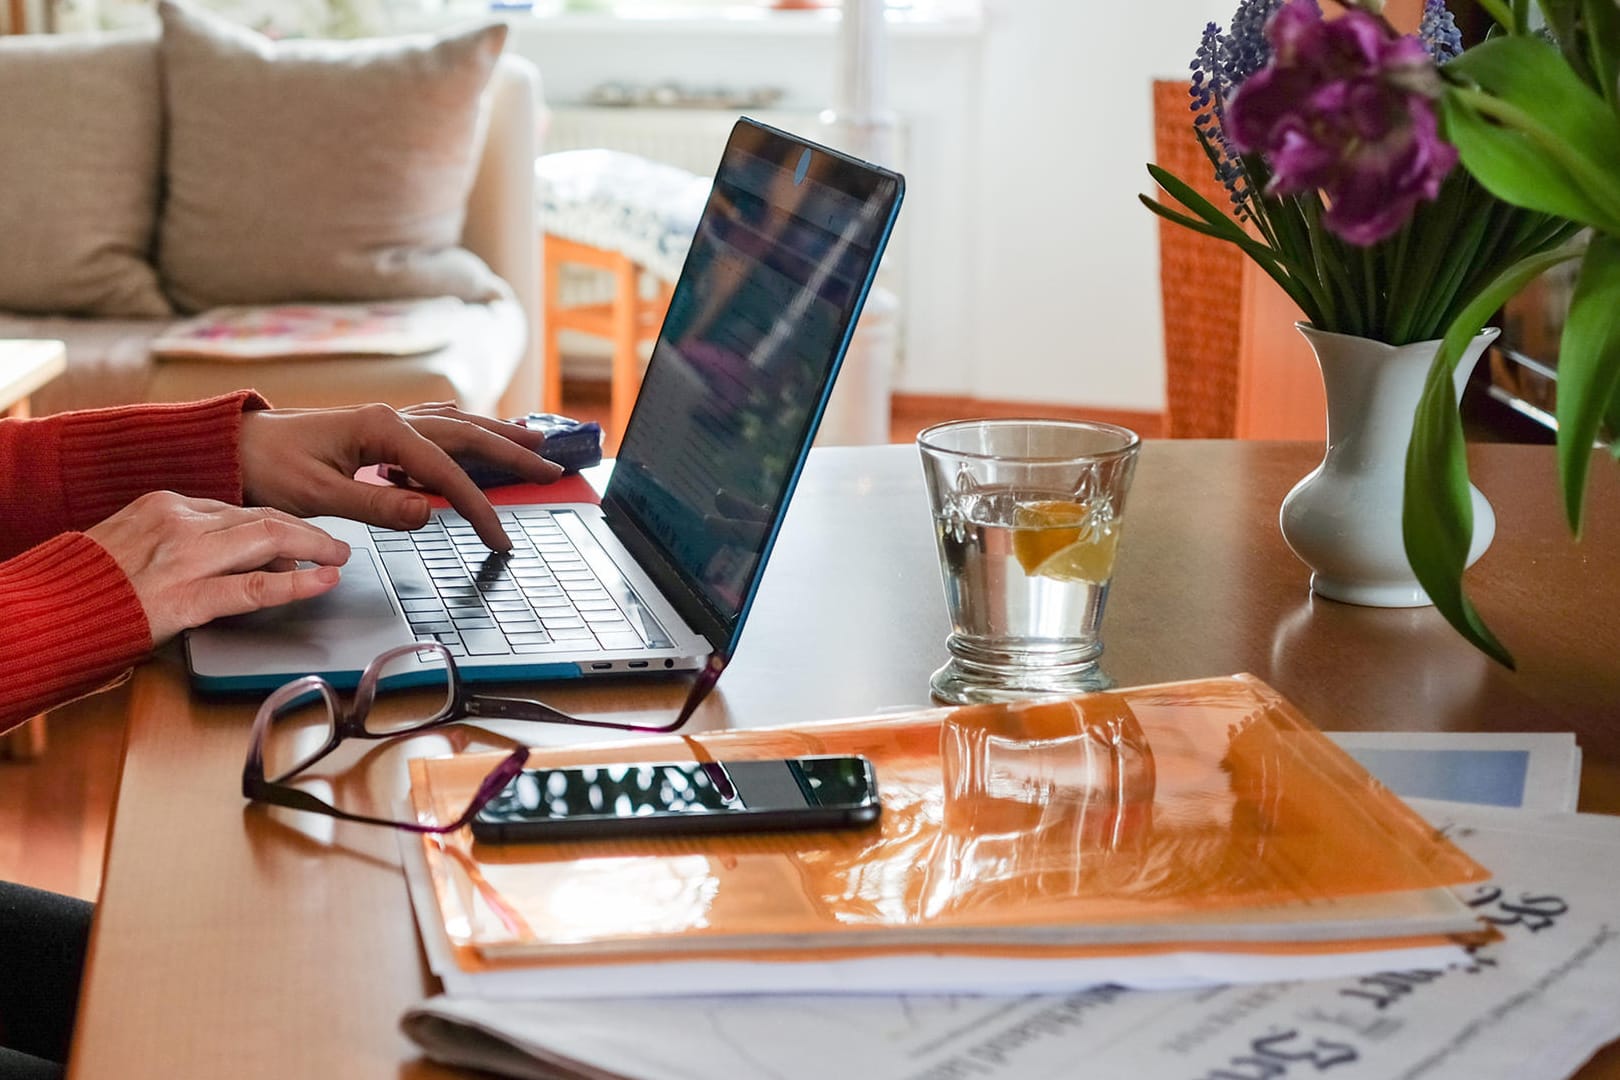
(1501, 14)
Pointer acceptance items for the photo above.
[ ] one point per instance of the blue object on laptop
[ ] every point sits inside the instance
(573, 444)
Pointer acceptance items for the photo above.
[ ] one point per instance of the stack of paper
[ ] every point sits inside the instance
(1185, 834)
(1534, 1002)
(1534, 1005)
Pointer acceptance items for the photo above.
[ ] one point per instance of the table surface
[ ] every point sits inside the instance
(236, 941)
(26, 365)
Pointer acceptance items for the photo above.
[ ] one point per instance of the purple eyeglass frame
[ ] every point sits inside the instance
(349, 722)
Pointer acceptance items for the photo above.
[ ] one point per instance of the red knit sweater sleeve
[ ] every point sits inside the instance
(74, 469)
(69, 618)
(69, 622)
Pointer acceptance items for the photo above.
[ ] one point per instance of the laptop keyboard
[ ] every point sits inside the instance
(546, 596)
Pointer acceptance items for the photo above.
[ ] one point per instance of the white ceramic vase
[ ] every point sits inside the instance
(1344, 519)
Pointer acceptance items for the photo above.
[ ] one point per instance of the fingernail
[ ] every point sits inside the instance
(327, 575)
(417, 510)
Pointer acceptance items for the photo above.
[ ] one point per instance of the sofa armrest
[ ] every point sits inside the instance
(500, 225)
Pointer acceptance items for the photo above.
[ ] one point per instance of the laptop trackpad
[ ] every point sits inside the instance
(360, 594)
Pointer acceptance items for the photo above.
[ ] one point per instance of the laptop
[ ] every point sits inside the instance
(659, 576)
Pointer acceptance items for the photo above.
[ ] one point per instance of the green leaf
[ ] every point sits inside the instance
(1263, 256)
(1437, 519)
(1560, 17)
(1498, 11)
(1588, 367)
(1511, 165)
(1542, 111)
(1437, 516)
(1603, 41)
(1185, 194)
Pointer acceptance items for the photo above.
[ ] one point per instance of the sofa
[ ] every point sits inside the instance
(148, 235)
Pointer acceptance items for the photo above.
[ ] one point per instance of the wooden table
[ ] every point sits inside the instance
(233, 943)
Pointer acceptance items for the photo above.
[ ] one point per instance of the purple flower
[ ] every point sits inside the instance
(1439, 31)
(1345, 107)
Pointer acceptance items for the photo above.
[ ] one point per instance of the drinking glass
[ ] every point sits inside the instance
(1028, 516)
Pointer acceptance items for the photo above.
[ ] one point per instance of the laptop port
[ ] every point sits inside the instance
(600, 667)
(638, 663)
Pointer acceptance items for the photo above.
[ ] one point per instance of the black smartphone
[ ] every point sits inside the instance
(664, 797)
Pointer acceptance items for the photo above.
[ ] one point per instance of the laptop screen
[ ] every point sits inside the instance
(781, 261)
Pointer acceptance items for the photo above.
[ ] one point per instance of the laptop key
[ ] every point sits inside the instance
(410, 577)
(432, 627)
(485, 642)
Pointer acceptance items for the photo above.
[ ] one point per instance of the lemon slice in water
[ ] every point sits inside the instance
(1060, 539)
(1042, 529)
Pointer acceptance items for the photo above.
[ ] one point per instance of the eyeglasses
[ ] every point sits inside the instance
(302, 722)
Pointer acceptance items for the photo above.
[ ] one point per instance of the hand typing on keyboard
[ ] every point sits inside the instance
(303, 461)
(192, 560)
(557, 593)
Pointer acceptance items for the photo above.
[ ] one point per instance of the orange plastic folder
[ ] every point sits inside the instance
(1178, 814)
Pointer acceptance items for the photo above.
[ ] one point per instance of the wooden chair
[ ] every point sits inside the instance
(1200, 281)
(1235, 367)
(627, 320)
(627, 216)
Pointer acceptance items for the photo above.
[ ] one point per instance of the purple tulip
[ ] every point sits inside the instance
(1345, 107)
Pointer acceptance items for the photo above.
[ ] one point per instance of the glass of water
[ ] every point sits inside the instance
(1028, 515)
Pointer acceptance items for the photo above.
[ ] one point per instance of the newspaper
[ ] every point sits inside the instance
(1536, 1004)
(1531, 770)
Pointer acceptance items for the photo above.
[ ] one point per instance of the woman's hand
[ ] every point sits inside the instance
(303, 461)
(192, 560)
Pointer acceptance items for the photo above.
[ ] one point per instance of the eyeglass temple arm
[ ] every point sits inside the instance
(489, 707)
(257, 789)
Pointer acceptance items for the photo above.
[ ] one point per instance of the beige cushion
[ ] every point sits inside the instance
(318, 170)
(80, 138)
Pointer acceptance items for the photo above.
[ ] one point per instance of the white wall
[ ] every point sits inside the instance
(1067, 290)
(1030, 270)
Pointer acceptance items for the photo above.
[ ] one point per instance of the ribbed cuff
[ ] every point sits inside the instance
(69, 621)
(108, 457)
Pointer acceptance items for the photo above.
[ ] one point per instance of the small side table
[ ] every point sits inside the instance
(25, 366)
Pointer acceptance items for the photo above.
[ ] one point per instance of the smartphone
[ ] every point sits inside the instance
(665, 797)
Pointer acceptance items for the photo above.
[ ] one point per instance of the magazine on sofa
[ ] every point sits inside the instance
(384, 328)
